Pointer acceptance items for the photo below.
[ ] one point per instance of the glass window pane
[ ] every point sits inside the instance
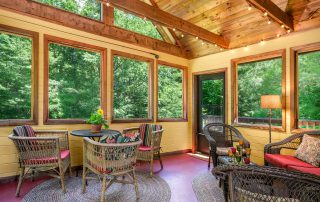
(87, 8)
(256, 79)
(74, 82)
(15, 76)
(170, 92)
(309, 89)
(131, 88)
(136, 24)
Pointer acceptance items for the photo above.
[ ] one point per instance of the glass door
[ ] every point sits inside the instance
(211, 105)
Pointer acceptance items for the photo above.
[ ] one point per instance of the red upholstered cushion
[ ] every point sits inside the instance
(283, 161)
(144, 148)
(64, 155)
(314, 170)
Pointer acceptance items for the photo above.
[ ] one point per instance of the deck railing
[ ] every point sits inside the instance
(309, 124)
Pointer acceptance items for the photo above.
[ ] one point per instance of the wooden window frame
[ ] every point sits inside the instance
(234, 76)
(294, 105)
(103, 77)
(150, 89)
(184, 69)
(34, 36)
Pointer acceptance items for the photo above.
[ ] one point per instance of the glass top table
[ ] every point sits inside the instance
(93, 135)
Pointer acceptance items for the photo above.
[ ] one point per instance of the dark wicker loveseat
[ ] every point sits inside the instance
(273, 156)
(255, 183)
(223, 136)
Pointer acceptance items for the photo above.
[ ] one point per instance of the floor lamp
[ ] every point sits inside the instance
(270, 102)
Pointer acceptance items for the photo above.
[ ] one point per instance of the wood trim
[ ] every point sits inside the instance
(234, 78)
(176, 152)
(195, 101)
(150, 90)
(107, 14)
(294, 103)
(184, 93)
(34, 36)
(274, 12)
(75, 21)
(103, 78)
(171, 21)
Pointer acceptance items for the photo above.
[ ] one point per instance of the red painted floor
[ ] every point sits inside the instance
(179, 171)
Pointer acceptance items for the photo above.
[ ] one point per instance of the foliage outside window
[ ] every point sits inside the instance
(136, 24)
(256, 79)
(87, 8)
(74, 82)
(309, 88)
(130, 88)
(170, 92)
(15, 76)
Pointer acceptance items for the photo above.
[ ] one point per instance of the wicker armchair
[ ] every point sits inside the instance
(221, 135)
(150, 150)
(44, 150)
(108, 161)
(291, 142)
(253, 183)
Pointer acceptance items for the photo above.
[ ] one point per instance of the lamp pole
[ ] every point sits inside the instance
(270, 115)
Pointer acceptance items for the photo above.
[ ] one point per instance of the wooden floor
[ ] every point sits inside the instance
(179, 171)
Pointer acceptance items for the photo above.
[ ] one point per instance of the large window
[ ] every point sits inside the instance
(136, 24)
(74, 80)
(307, 86)
(256, 76)
(87, 8)
(171, 92)
(132, 88)
(17, 80)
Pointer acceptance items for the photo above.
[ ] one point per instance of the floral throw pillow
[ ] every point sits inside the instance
(308, 150)
(128, 137)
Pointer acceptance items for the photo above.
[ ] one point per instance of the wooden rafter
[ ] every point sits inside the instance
(68, 19)
(154, 14)
(274, 12)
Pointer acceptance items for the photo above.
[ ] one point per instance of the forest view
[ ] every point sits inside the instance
(74, 78)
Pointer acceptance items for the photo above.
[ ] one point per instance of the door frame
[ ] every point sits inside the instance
(195, 101)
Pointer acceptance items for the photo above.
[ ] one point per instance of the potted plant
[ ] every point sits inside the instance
(96, 120)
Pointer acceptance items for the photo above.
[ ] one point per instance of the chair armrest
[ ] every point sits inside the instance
(133, 129)
(61, 134)
(291, 142)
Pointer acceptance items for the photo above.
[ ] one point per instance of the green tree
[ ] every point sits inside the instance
(15, 76)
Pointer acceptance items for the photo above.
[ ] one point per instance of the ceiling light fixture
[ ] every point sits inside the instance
(108, 4)
(174, 29)
(262, 42)
(265, 13)
(249, 7)
(197, 38)
(182, 35)
(202, 43)
(288, 31)
(282, 26)
(278, 35)
(269, 22)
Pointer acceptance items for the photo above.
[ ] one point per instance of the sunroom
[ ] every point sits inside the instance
(159, 100)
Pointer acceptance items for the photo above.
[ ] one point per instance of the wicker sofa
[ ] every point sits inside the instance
(273, 156)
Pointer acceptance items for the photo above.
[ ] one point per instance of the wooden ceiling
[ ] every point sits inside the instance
(232, 20)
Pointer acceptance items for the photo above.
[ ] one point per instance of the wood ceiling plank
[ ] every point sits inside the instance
(274, 11)
(169, 20)
(68, 19)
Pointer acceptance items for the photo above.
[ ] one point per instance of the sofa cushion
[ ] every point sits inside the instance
(283, 161)
(128, 137)
(314, 170)
(63, 154)
(144, 148)
(308, 150)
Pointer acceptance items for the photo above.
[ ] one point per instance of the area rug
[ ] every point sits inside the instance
(151, 189)
(206, 188)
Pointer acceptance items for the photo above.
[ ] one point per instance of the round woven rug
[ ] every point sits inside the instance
(206, 188)
(150, 189)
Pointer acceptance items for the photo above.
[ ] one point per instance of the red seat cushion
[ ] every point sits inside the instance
(144, 148)
(314, 170)
(283, 161)
(64, 154)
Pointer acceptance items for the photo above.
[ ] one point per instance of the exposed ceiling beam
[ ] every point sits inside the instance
(154, 14)
(68, 19)
(274, 12)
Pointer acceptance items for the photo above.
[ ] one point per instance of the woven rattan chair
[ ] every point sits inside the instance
(255, 183)
(150, 150)
(109, 161)
(291, 142)
(220, 135)
(47, 150)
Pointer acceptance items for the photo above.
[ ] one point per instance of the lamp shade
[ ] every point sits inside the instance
(270, 102)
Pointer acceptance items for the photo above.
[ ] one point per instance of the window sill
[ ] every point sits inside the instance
(300, 130)
(64, 121)
(171, 120)
(16, 122)
(131, 120)
(260, 127)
